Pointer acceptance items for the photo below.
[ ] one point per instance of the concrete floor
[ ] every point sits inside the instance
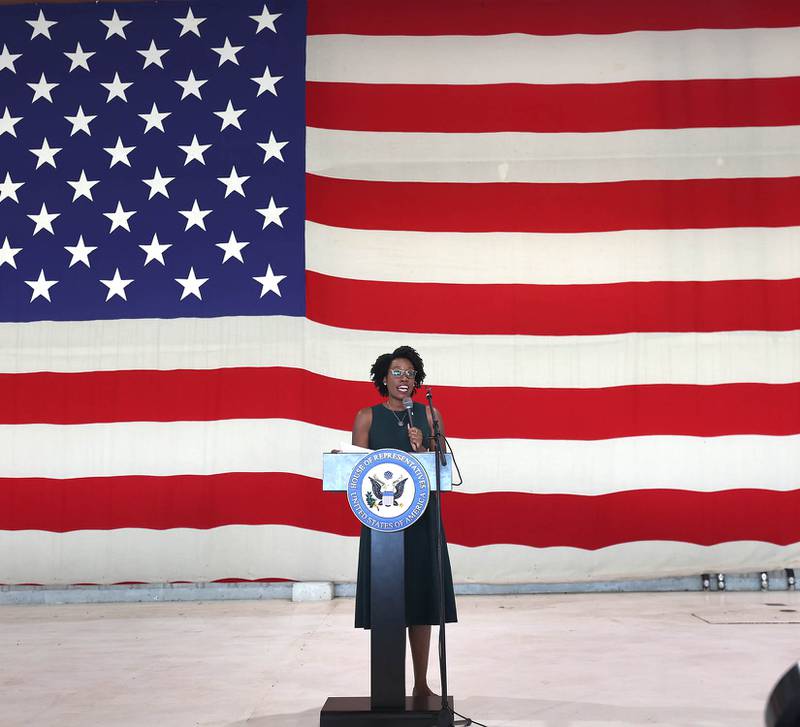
(678, 659)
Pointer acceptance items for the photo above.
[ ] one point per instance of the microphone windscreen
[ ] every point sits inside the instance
(408, 403)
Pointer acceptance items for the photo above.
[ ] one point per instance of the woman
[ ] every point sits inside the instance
(396, 375)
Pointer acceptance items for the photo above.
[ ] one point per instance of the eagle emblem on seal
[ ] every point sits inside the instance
(387, 493)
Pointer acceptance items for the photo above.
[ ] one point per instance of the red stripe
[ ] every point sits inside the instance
(529, 207)
(558, 310)
(577, 521)
(147, 583)
(585, 414)
(554, 108)
(161, 503)
(542, 17)
(179, 395)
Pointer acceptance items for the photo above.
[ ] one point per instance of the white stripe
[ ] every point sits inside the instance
(165, 448)
(496, 465)
(516, 58)
(644, 559)
(555, 158)
(454, 360)
(744, 253)
(276, 551)
(703, 464)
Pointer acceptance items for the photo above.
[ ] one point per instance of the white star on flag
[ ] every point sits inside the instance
(155, 250)
(116, 286)
(46, 154)
(233, 183)
(190, 24)
(155, 118)
(82, 186)
(44, 220)
(227, 52)
(266, 82)
(195, 217)
(116, 88)
(80, 252)
(272, 213)
(194, 151)
(41, 26)
(41, 286)
(158, 184)
(191, 285)
(8, 122)
(42, 89)
(80, 122)
(79, 58)
(115, 26)
(266, 20)
(8, 253)
(232, 248)
(119, 153)
(152, 56)
(119, 217)
(191, 86)
(8, 188)
(230, 116)
(269, 282)
(272, 148)
(7, 59)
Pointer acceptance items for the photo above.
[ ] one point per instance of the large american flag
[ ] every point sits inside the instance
(214, 216)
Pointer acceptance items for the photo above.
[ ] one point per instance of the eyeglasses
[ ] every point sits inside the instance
(397, 373)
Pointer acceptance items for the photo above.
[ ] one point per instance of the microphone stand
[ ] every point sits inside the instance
(446, 718)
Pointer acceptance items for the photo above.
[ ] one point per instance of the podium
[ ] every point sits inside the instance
(387, 704)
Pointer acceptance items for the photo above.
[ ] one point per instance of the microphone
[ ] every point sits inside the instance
(408, 405)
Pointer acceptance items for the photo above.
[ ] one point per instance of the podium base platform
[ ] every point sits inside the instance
(357, 712)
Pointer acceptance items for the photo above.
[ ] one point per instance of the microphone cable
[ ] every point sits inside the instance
(467, 720)
(455, 464)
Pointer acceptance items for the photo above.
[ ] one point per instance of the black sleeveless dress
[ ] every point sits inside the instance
(421, 573)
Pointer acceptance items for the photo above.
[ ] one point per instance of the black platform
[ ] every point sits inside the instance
(357, 712)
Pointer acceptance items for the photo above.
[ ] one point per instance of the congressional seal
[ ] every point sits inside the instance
(388, 490)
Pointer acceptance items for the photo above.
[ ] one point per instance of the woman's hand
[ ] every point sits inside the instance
(415, 436)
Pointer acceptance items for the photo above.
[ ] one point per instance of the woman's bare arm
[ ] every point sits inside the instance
(361, 427)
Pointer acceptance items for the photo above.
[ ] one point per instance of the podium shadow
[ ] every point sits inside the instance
(531, 712)
(306, 718)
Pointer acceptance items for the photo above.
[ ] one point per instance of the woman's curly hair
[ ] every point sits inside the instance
(380, 369)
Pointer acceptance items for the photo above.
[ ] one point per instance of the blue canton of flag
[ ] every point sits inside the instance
(152, 160)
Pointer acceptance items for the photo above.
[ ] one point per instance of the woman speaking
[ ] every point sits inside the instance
(396, 376)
